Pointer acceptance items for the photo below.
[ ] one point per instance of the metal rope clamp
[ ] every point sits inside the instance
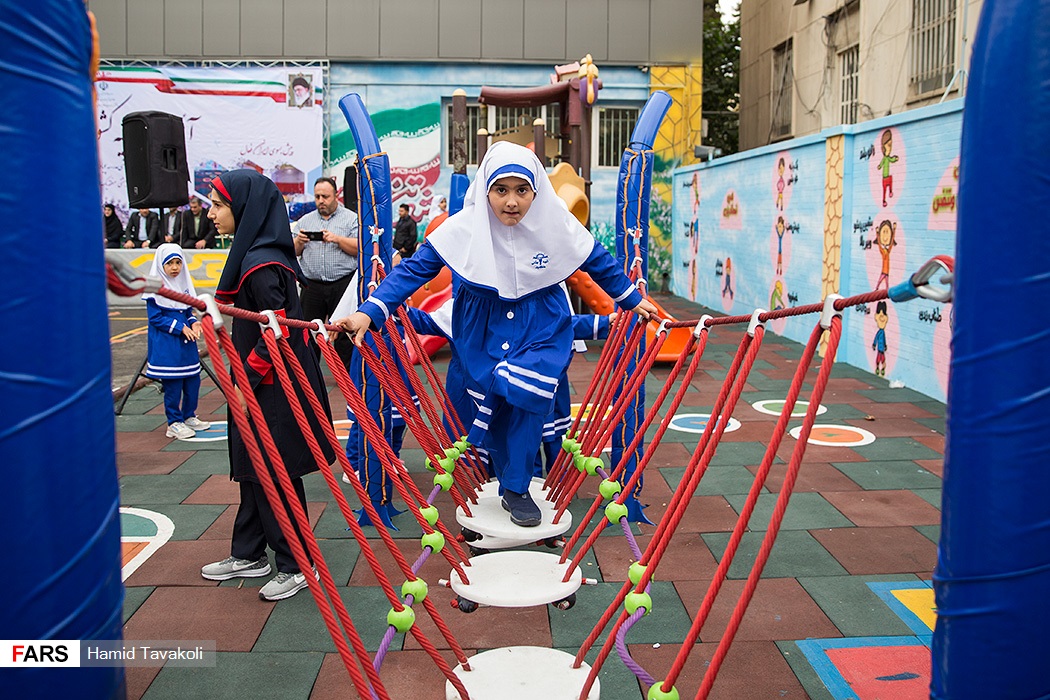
(212, 309)
(918, 285)
(271, 323)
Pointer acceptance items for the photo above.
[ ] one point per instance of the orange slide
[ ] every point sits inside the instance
(601, 303)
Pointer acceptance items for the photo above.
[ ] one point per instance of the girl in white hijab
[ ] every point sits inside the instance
(509, 248)
(173, 332)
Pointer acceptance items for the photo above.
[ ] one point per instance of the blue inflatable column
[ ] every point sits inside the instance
(633, 190)
(992, 579)
(59, 501)
(376, 221)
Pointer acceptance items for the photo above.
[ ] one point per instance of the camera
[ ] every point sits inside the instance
(314, 235)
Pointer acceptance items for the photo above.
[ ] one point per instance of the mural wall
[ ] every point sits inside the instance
(751, 230)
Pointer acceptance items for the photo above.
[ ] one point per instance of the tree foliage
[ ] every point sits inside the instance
(721, 78)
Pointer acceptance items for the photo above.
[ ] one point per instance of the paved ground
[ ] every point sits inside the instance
(843, 609)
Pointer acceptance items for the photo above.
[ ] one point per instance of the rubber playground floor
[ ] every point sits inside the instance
(844, 608)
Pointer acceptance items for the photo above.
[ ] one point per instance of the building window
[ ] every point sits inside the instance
(783, 81)
(499, 121)
(932, 44)
(476, 119)
(615, 125)
(849, 62)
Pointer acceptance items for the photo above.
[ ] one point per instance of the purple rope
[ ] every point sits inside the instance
(635, 549)
(625, 656)
(388, 637)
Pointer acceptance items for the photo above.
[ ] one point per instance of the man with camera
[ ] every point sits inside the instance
(326, 243)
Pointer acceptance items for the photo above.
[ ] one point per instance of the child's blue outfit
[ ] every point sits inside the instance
(172, 358)
(513, 330)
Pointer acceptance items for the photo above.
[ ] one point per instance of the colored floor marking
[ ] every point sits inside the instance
(871, 668)
(217, 431)
(143, 532)
(912, 601)
(836, 435)
(697, 422)
(575, 409)
(121, 337)
(342, 429)
(129, 550)
(773, 407)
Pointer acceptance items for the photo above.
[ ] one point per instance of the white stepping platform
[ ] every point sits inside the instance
(516, 579)
(489, 520)
(523, 673)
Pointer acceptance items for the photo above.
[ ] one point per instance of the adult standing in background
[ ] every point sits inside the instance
(143, 230)
(326, 243)
(405, 233)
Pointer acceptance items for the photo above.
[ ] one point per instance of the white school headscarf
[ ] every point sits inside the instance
(546, 246)
(183, 283)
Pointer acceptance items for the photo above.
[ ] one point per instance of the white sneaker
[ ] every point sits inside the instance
(346, 477)
(283, 586)
(197, 424)
(232, 567)
(180, 431)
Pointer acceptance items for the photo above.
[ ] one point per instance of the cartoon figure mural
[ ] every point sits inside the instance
(884, 164)
(886, 240)
(694, 232)
(776, 299)
(780, 245)
(780, 184)
(727, 272)
(878, 344)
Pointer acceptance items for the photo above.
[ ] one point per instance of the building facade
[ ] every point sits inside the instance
(808, 65)
(406, 57)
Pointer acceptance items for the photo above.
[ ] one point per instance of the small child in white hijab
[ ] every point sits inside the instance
(173, 332)
(509, 248)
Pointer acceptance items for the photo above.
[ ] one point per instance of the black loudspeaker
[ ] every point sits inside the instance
(155, 160)
(350, 188)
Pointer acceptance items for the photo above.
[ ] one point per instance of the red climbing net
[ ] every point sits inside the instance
(428, 411)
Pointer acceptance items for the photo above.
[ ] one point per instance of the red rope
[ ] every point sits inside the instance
(617, 335)
(473, 461)
(279, 509)
(281, 370)
(388, 377)
(596, 438)
(778, 512)
(461, 477)
(682, 496)
(355, 528)
(638, 437)
(406, 485)
(745, 514)
(601, 405)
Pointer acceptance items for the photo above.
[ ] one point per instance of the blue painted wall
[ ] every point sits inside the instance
(729, 209)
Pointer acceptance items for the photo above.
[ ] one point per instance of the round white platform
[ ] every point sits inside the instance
(523, 673)
(516, 579)
(490, 520)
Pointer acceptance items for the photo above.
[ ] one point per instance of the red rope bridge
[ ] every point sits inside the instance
(460, 471)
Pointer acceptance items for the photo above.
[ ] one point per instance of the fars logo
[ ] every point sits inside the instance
(39, 653)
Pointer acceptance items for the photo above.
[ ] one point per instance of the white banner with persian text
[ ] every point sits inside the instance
(270, 119)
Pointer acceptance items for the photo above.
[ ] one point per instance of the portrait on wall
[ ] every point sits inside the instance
(300, 90)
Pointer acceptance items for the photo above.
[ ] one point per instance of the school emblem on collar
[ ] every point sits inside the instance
(540, 261)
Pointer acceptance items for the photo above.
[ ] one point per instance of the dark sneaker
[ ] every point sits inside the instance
(232, 567)
(282, 586)
(523, 511)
